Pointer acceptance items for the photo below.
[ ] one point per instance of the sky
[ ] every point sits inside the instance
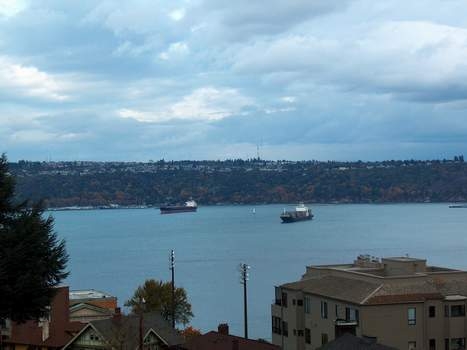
(216, 79)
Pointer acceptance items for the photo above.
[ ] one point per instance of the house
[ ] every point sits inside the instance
(399, 302)
(90, 305)
(124, 333)
(350, 342)
(52, 332)
(222, 340)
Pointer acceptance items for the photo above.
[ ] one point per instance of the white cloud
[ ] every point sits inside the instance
(203, 104)
(178, 14)
(9, 8)
(288, 99)
(30, 81)
(175, 50)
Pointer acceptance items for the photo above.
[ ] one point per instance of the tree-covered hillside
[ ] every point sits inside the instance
(240, 181)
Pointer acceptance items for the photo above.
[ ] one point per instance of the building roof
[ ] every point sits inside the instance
(120, 325)
(350, 342)
(340, 288)
(88, 294)
(61, 330)
(369, 281)
(216, 341)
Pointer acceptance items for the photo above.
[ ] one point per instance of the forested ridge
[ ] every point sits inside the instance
(240, 182)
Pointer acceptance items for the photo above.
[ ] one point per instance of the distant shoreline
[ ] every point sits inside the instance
(120, 207)
(101, 207)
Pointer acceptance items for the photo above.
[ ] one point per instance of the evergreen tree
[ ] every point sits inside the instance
(157, 296)
(32, 259)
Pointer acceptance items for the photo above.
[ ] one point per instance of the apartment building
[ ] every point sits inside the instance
(398, 302)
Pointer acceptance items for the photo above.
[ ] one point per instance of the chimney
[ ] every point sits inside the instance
(117, 314)
(223, 329)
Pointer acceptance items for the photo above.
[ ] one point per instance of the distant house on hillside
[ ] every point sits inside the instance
(123, 332)
(52, 332)
(222, 340)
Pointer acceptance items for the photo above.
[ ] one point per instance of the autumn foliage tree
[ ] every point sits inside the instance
(190, 333)
(157, 296)
(32, 259)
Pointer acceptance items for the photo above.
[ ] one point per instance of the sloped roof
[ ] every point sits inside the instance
(351, 342)
(216, 341)
(127, 327)
(340, 288)
(61, 330)
(375, 292)
(87, 306)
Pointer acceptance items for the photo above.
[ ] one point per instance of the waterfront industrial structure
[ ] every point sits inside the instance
(399, 302)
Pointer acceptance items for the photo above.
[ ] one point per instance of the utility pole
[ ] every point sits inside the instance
(172, 268)
(243, 280)
(141, 311)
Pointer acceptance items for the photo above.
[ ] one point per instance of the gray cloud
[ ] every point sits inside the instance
(333, 79)
(245, 18)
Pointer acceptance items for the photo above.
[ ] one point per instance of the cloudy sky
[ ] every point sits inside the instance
(212, 79)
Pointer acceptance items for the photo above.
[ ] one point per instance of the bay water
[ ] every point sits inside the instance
(116, 250)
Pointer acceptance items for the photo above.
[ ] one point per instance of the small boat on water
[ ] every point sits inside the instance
(189, 206)
(458, 206)
(301, 213)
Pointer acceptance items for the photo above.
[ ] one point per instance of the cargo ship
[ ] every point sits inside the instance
(301, 213)
(189, 206)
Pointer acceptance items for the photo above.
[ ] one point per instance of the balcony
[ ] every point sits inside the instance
(342, 326)
(341, 322)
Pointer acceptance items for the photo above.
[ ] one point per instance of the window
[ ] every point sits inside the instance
(412, 345)
(412, 316)
(337, 311)
(324, 338)
(432, 311)
(457, 343)
(276, 325)
(284, 299)
(457, 310)
(307, 335)
(324, 309)
(285, 329)
(351, 314)
(299, 302)
(432, 344)
(307, 305)
(300, 332)
(278, 296)
(446, 344)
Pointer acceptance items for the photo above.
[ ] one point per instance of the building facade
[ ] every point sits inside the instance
(399, 302)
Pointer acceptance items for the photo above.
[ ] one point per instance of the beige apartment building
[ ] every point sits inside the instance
(399, 302)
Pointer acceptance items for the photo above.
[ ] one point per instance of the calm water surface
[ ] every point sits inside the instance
(116, 250)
